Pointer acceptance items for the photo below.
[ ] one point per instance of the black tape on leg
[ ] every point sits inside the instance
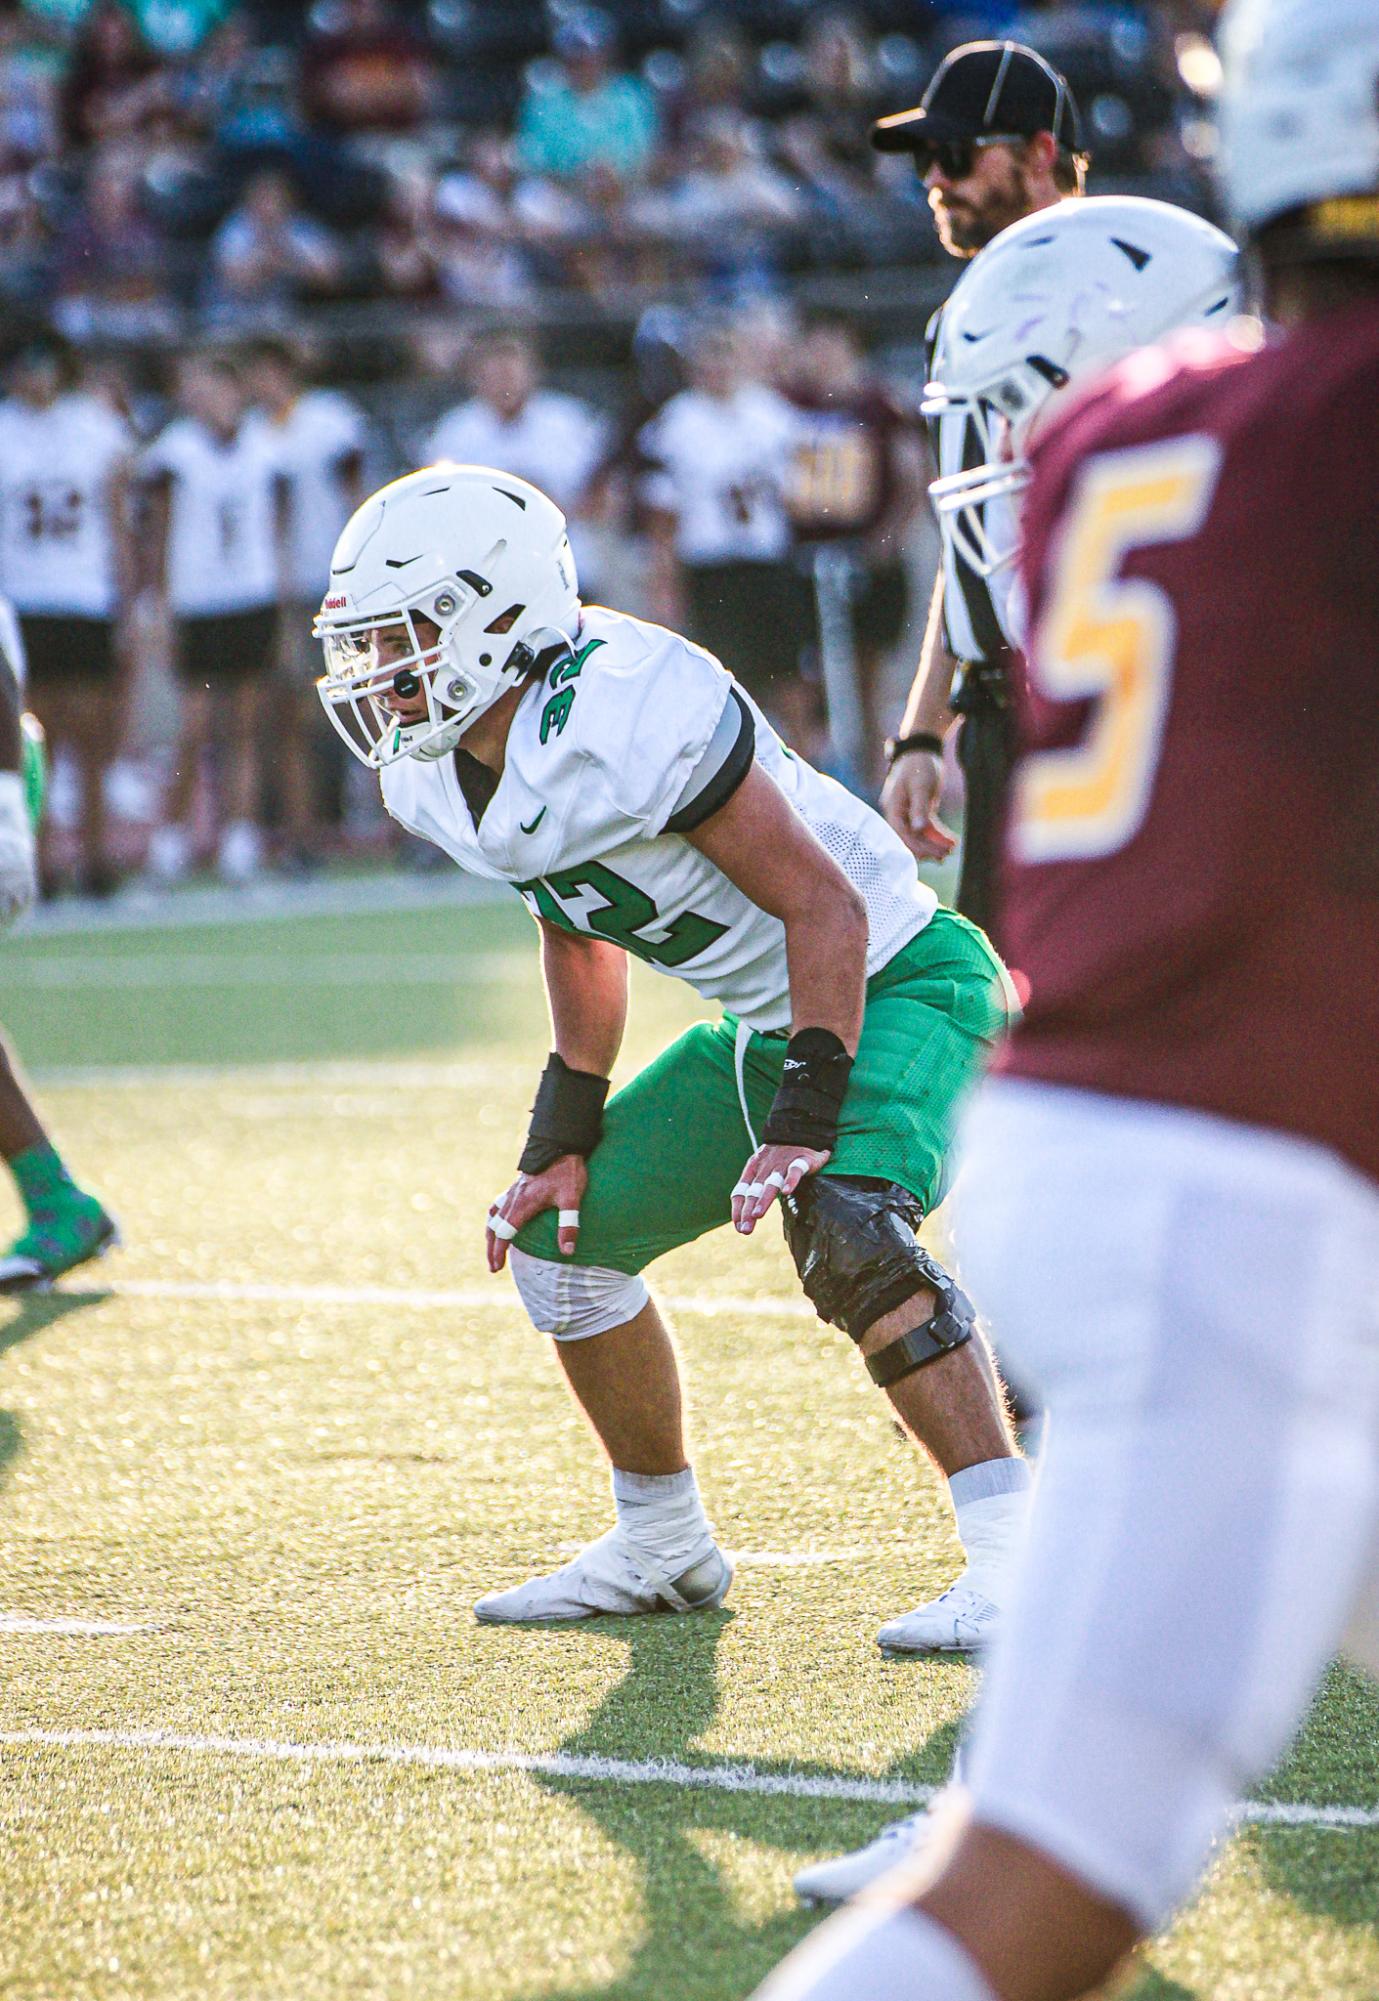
(950, 1328)
(856, 1250)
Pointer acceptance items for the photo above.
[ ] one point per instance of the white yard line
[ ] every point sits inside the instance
(554, 1765)
(308, 1078)
(20, 1622)
(462, 1298)
(737, 1778)
(145, 909)
(83, 972)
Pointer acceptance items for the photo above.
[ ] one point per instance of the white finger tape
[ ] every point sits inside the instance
(774, 1180)
(502, 1228)
(567, 1219)
(800, 1162)
(742, 1190)
(756, 1189)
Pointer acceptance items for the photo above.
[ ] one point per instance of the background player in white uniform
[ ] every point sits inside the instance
(555, 440)
(722, 462)
(616, 776)
(66, 563)
(64, 1226)
(319, 438)
(1171, 1194)
(214, 550)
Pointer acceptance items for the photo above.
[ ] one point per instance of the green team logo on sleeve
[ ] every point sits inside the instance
(623, 916)
(566, 671)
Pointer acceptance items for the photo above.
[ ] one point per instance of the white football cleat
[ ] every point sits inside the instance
(843, 1876)
(961, 1620)
(611, 1575)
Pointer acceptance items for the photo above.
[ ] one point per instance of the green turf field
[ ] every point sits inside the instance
(271, 1452)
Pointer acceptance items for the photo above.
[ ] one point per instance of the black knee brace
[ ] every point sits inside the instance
(858, 1257)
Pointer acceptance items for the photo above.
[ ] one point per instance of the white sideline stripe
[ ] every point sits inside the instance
(554, 1765)
(463, 1298)
(308, 1078)
(610, 1771)
(212, 969)
(772, 1559)
(142, 908)
(20, 1622)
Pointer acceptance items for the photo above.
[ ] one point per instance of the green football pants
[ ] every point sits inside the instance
(676, 1139)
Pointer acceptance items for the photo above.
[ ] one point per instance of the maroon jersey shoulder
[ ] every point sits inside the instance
(1193, 868)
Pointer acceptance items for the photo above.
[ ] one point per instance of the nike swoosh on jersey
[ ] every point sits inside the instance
(530, 828)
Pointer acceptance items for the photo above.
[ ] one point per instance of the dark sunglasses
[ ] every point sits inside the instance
(955, 158)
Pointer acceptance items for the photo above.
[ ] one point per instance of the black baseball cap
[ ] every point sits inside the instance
(985, 87)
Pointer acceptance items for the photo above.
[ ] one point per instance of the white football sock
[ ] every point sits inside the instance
(990, 1501)
(868, 1952)
(663, 1514)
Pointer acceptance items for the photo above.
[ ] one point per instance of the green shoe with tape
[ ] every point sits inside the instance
(59, 1237)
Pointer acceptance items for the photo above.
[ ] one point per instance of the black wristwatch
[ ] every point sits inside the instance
(896, 746)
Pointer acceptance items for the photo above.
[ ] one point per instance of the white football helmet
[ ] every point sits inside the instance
(1300, 115)
(482, 555)
(1053, 300)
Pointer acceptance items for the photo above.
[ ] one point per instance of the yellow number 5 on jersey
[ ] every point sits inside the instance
(1112, 639)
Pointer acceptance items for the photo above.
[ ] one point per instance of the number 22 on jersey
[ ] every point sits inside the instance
(1110, 640)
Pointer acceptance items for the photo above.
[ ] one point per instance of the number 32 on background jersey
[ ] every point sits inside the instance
(1109, 639)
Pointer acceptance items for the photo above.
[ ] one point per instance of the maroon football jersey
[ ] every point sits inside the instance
(845, 474)
(1193, 856)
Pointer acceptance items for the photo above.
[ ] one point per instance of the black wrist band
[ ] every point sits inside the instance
(896, 746)
(567, 1116)
(806, 1108)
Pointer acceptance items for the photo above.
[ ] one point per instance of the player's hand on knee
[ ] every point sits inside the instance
(560, 1187)
(772, 1171)
(909, 800)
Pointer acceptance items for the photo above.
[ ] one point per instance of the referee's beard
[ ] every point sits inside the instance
(970, 212)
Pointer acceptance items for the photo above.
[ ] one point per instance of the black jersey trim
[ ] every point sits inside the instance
(726, 778)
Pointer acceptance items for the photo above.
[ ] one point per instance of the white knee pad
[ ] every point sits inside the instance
(574, 1302)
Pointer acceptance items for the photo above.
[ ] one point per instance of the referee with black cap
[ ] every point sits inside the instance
(996, 137)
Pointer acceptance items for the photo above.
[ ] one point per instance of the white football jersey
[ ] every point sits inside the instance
(723, 466)
(57, 552)
(322, 431)
(619, 743)
(555, 441)
(12, 656)
(222, 535)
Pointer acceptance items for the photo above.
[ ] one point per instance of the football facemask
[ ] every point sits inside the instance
(378, 673)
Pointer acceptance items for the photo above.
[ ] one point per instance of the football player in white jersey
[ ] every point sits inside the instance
(318, 436)
(618, 778)
(66, 564)
(64, 1226)
(1096, 278)
(216, 553)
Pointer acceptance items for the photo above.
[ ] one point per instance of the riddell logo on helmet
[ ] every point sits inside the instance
(335, 604)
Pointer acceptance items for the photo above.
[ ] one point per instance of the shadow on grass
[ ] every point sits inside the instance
(22, 1315)
(696, 1944)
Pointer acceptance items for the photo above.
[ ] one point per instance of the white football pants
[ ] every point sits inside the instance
(1198, 1304)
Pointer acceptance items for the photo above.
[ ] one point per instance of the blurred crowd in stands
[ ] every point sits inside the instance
(206, 206)
(177, 165)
